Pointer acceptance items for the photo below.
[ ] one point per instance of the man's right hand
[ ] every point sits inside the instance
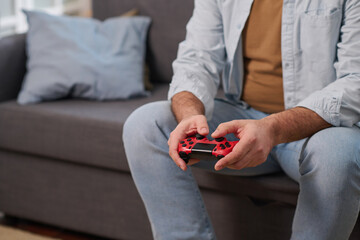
(186, 127)
(190, 115)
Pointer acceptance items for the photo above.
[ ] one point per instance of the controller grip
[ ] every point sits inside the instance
(184, 157)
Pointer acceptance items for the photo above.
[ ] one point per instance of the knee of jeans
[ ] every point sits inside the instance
(144, 133)
(142, 123)
(332, 152)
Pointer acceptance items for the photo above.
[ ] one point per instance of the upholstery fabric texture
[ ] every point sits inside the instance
(12, 65)
(84, 58)
(168, 29)
(74, 130)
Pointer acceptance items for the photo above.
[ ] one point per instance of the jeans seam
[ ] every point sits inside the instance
(161, 130)
(207, 221)
(357, 160)
(302, 155)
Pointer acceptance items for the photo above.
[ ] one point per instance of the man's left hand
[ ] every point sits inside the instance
(257, 138)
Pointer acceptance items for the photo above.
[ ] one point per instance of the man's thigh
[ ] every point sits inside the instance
(327, 148)
(334, 149)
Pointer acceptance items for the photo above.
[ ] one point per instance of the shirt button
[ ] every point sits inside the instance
(287, 65)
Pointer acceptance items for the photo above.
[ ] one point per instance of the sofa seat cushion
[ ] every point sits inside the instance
(262, 190)
(79, 131)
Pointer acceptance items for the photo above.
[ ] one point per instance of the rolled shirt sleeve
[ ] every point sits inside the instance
(339, 102)
(201, 57)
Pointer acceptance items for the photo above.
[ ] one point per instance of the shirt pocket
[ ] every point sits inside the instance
(319, 34)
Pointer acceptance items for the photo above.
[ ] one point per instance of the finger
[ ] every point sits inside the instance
(178, 161)
(202, 126)
(246, 162)
(238, 153)
(190, 132)
(176, 158)
(226, 128)
(175, 137)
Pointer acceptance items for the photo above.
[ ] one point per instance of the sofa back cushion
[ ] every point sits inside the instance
(169, 18)
(84, 58)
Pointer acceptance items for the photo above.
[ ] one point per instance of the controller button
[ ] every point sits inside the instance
(220, 139)
(227, 144)
(222, 146)
(215, 149)
(190, 147)
(191, 142)
(184, 145)
(199, 137)
(189, 139)
(182, 142)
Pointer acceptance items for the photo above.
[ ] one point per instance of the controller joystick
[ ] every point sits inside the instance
(199, 137)
(199, 147)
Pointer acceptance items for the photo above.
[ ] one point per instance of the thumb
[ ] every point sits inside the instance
(202, 127)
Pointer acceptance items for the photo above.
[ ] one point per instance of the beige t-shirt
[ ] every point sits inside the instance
(263, 85)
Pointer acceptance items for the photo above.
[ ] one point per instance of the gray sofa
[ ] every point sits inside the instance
(63, 163)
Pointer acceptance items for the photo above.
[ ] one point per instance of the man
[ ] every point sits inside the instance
(291, 75)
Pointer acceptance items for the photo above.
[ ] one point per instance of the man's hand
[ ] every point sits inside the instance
(189, 112)
(256, 141)
(258, 137)
(188, 126)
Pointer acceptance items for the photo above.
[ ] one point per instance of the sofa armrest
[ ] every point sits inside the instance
(12, 65)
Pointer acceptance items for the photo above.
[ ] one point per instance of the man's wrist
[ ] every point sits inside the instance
(185, 104)
(272, 126)
(294, 124)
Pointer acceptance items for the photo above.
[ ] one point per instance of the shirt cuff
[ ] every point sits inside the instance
(326, 106)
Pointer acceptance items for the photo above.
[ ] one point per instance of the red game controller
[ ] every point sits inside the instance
(199, 147)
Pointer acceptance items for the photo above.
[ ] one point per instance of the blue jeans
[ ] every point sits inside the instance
(325, 165)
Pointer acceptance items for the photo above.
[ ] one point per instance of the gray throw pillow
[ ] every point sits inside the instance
(84, 58)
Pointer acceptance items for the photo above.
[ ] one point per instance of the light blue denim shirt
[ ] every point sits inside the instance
(320, 44)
